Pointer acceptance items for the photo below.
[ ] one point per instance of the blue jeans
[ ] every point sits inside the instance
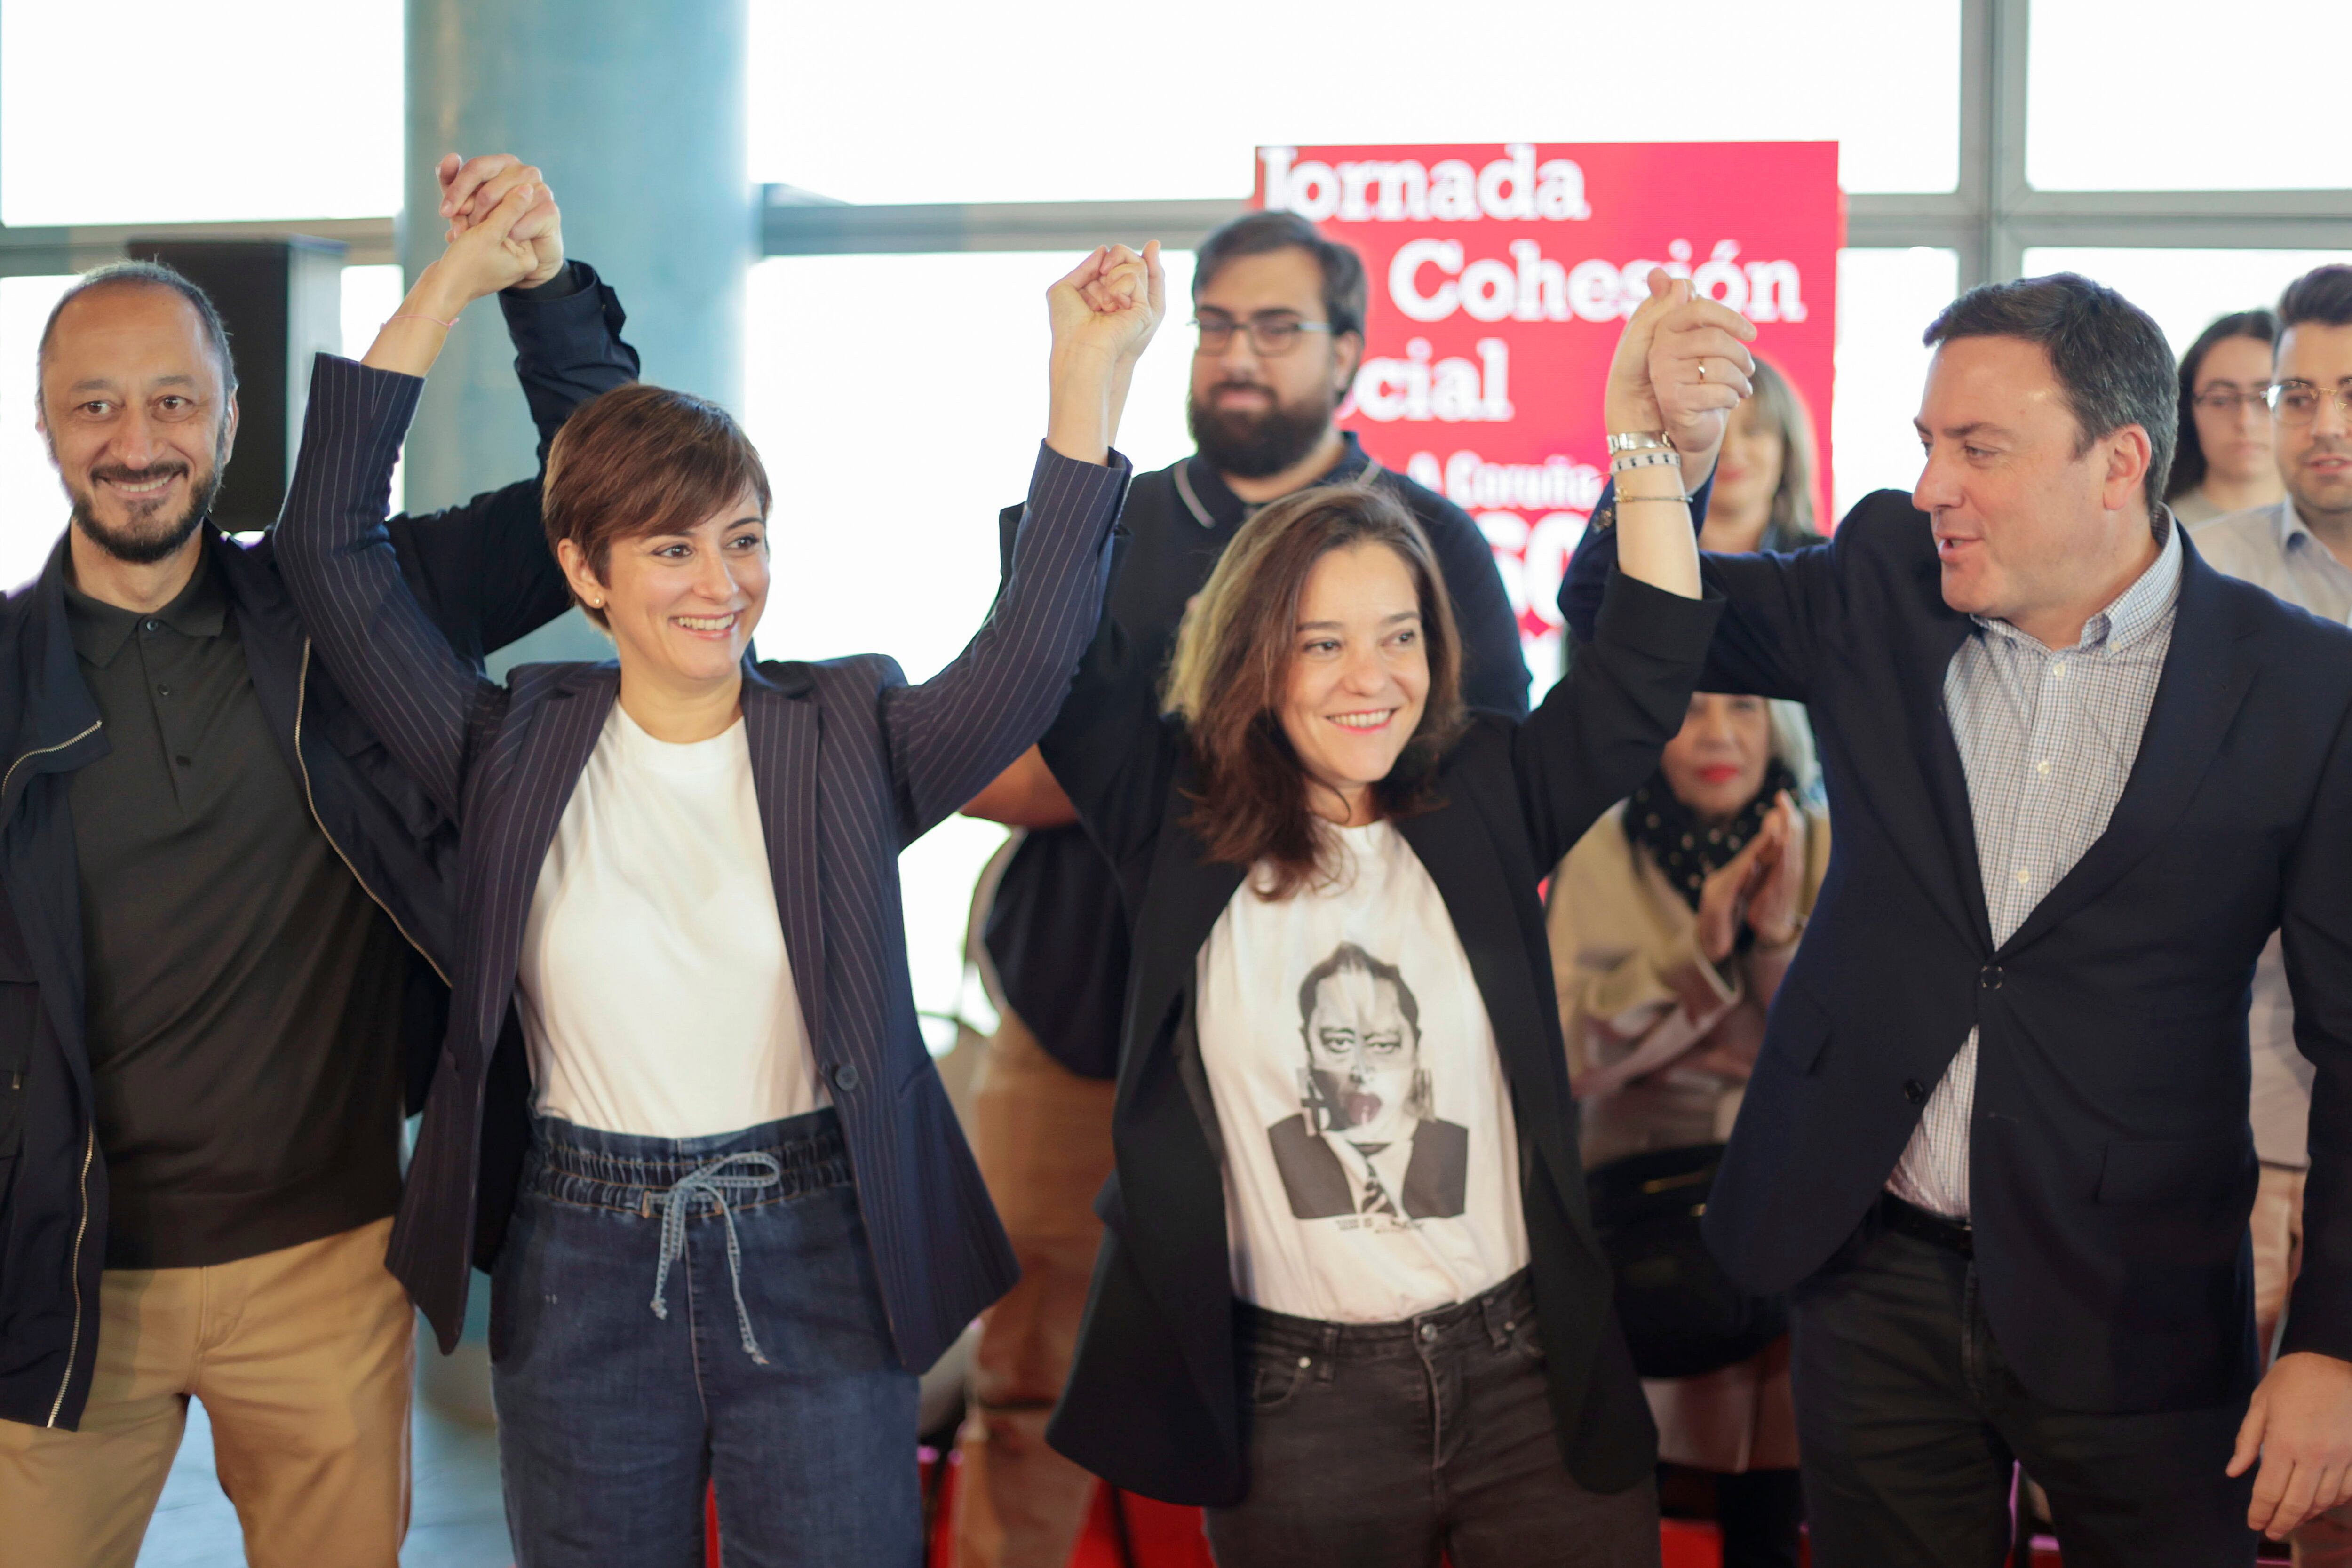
(766, 1367)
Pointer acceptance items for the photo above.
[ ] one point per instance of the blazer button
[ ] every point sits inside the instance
(845, 1077)
(1990, 978)
(1914, 1091)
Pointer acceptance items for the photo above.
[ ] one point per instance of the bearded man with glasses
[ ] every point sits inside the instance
(1278, 311)
(2300, 548)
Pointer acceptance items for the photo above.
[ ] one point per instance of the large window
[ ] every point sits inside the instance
(156, 111)
(1035, 103)
(32, 507)
(2184, 95)
(2184, 289)
(1885, 299)
(902, 442)
(978, 148)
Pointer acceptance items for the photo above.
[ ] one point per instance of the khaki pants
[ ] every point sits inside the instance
(1042, 1135)
(2277, 1224)
(303, 1358)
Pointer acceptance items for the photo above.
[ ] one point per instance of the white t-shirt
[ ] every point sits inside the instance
(656, 995)
(1372, 1164)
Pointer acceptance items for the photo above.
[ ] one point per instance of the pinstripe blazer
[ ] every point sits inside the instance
(850, 764)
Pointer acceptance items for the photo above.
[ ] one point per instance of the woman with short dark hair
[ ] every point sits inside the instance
(1348, 1296)
(726, 1206)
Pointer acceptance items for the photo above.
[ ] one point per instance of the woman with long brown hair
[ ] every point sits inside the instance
(1349, 1297)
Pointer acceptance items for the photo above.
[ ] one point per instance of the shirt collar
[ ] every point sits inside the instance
(100, 629)
(2290, 526)
(1213, 504)
(2137, 612)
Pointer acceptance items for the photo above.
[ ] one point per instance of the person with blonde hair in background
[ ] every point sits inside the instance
(1671, 922)
(1762, 498)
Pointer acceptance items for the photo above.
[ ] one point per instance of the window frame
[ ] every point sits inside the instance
(1991, 219)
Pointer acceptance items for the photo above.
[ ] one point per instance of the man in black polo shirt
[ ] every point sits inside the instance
(1279, 311)
(222, 904)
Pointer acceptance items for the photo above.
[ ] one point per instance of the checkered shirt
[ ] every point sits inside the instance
(2047, 738)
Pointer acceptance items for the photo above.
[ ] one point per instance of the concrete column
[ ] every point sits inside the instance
(636, 112)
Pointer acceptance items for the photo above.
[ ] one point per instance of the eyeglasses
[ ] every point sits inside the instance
(2297, 402)
(1271, 336)
(2226, 402)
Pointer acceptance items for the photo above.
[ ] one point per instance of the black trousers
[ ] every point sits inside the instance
(1910, 1423)
(1393, 1445)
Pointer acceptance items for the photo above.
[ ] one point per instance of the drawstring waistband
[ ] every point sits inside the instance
(714, 1180)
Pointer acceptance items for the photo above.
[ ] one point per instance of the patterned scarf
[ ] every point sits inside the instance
(1685, 849)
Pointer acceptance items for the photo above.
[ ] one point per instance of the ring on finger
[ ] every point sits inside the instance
(1702, 370)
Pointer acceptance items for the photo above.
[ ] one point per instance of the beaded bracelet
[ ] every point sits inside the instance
(1654, 457)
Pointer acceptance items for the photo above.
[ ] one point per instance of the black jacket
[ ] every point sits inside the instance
(1054, 931)
(2111, 1169)
(486, 570)
(1151, 1404)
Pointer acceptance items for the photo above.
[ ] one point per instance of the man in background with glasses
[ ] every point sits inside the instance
(2300, 548)
(1278, 311)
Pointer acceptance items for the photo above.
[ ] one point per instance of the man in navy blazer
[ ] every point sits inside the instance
(1996, 1144)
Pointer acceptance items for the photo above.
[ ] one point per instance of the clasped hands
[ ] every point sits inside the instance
(505, 230)
(1758, 887)
(1681, 366)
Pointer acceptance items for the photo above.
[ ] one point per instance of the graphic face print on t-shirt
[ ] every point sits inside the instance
(1371, 1159)
(1368, 1139)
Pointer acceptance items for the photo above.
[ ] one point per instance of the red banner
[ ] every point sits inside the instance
(1500, 277)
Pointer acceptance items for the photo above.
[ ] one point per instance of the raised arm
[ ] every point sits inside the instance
(1766, 644)
(417, 693)
(1599, 730)
(482, 569)
(951, 735)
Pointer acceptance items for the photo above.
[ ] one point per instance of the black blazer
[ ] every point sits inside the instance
(1152, 1404)
(2111, 1169)
(851, 764)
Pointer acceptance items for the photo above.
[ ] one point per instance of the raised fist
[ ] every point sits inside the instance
(1110, 304)
(471, 188)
